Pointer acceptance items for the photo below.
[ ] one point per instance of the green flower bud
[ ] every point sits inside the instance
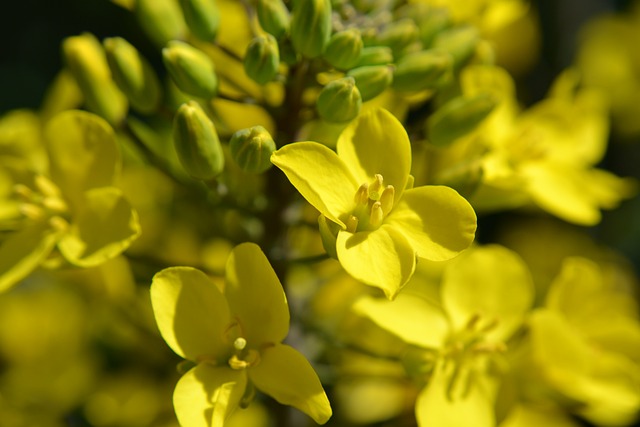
(274, 17)
(375, 55)
(372, 80)
(344, 49)
(432, 24)
(422, 70)
(86, 60)
(161, 20)
(203, 18)
(133, 74)
(399, 36)
(311, 26)
(251, 149)
(460, 42)
(191, 69)
(339, 101)
(458, 117)
(262, 59)
(197, 143)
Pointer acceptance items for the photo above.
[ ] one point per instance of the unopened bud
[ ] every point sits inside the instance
(274, 17)
(399, 35)
(197, 143)
(458, 117)
(161, 20)
(432, 24)
(339, 101)
(372, 80)
(87, 62)
(344, 49)
(422, 70)
(202, 17)
(460, 42)
(191, 69)
(375, 55)
(311, 26)
(262, 59)
(133, 74)
(252, 148)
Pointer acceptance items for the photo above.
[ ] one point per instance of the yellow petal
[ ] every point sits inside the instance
(382, 258)
(23, 251)
(103, 226)
(284, 374)
(435, 409)
(530, 416)
(490, 281)
(206, 395)
(320, 176)
(191, 313)
(411, 318)
(436, 220)
(369, 143)
(255, 296)
(83, 152)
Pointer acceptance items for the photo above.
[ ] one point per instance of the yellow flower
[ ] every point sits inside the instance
(233, 333)
(485, 295)
(364, 190)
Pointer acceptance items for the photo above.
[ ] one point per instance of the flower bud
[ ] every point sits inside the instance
(339, 101)
(86, 60)
(251, 149)
(458, 117)
(274, 17)
(344, 49)
(422, 70)
(133, 74)
(202, 17)
(311, 26)
(460, 42)
(197, 143)
(191, 69)
(399, 35)
(161, 20)
(375, 55)
(432, 24)
(262, 59)
(372, 81)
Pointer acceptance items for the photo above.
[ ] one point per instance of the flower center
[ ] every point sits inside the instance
(373, 202)
(244, 357)
(43, 202)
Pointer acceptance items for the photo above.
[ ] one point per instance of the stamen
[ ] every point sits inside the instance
(387, 199)
(376, 188)
(46, 187)
(473, 322)
(352, 224)
(24, 192)
(31, 211)
(362, 195)
(55, 204)
(58, 223)
(376, 215)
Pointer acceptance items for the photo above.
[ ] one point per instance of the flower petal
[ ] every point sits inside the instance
(411, 318)
(377, 143)
(255, 296)
(191, 313)
(320, 176)
(438, 222)
(206, 395)
(435, 408)
(104, 225)
(82, 151)
(284, 374)
(23, 251)
(490, 281)
(382, 258)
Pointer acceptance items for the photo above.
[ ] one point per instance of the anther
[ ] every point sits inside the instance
(46, 187)
(376, 215)
(31, 211)
(55, 204)
(352, 224)
(362, 195)
(387, 199)
(22, 191)
(375, 189)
